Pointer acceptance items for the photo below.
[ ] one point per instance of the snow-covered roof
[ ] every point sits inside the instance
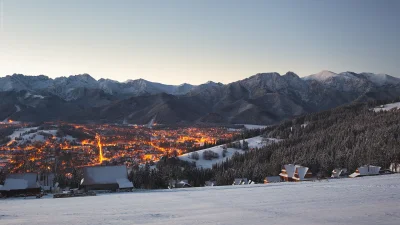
(19, 181)
(124, 183)
(104, 175)
(366, 171)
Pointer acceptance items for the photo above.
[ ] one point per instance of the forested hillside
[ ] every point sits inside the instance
(348, 136)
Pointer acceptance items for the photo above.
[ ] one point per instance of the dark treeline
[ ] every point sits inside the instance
(348, 136)
(168, 169)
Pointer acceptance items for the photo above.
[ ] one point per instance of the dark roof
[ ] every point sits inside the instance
(104, 175)
(20, 181)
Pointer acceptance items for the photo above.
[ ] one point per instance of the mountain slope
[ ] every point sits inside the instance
(264, 98)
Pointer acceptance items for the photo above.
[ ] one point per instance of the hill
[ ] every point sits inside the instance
(345, 137)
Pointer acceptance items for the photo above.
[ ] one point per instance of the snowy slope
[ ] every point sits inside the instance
(256, 142)
(22, 135)
(360, 201)
(388, 107)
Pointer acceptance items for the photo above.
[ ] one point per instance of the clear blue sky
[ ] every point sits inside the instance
(196, 41)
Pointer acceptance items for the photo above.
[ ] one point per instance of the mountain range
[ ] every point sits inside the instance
(265, 98)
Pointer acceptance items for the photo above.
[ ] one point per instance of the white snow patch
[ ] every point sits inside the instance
(253, 126)
(22, 135)
(388, 107)
(255, 142)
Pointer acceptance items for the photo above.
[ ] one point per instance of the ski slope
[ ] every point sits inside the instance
(363, 201)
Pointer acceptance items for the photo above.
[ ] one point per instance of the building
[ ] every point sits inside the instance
(240, 181)
(21, 184)
(111, 178)
(292, 172)
(339, 172)
(272, 179)
(366, 170)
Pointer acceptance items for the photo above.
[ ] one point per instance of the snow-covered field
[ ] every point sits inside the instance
(23, 135)
(388, 107)
(255, 142)
(364, 201)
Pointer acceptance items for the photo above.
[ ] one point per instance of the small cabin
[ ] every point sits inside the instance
(240, 181)
(366, 170)
(339, 172)
(21, 184)
(291, 172)
(272, 179)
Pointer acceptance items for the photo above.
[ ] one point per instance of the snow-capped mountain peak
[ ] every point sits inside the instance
(321, 76)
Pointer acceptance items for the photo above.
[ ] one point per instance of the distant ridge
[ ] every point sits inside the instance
(264, 98)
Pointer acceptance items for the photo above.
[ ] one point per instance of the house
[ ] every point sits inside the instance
(292, 172)
(240, 181)
(395, 167)
(339, 172)
(272, 179)
(111, 178)
(18, 184)
(366, 170)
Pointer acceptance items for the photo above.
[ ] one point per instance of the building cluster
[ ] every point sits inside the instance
(33, 149)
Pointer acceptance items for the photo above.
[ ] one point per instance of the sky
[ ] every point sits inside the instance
(196, 41)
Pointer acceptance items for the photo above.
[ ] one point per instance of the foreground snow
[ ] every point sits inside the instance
(255, 142)
(367, 200)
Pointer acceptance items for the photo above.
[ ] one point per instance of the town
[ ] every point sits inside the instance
(60, 148)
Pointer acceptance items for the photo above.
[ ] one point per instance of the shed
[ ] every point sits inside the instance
(105, 178)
